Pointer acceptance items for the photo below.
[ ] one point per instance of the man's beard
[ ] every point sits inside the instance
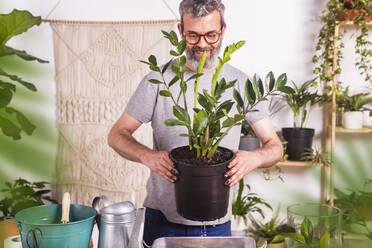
(209, 62)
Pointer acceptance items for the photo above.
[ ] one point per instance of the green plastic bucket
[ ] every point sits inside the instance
(41, 227)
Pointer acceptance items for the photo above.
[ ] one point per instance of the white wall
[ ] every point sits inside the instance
(280, 35)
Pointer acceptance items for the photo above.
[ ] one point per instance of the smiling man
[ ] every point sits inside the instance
(203, 27)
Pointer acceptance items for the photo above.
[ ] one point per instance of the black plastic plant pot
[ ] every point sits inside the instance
(299, 140)
(201, 193)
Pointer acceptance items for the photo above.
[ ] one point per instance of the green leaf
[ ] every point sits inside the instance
(174, 38)
(200, 122)
(182, 60)
(249, 92)
(278, 238)
(286, 90)
(152, 60)
(255, 86)
(297, 237)
(281, 81)
(28, 85)
(174, 122)
(173, 81)
(174, 53)
(228, 122)
(261, 87)
(27, 203)
(9, 128)
(307, 229)
(203, 101)
(5, 97)
(9, 86)
(181, 114)
(6, 51)
(181, 46)
(165, 93)
(196, 75)
(324, 240)
(270, 80)
(165, 67)
(154, 68)
(26, 125)
(16, 23)
(155, 81)
(238, 98)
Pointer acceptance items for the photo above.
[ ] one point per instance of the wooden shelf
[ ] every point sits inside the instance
(344, 130)
(297, 164)
(350, 23)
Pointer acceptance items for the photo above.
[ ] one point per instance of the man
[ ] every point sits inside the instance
(203, 27)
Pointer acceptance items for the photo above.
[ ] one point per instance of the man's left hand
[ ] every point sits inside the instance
(243, 163)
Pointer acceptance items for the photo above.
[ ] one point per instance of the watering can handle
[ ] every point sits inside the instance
(96, 200)
(133, 240)
(7, 219)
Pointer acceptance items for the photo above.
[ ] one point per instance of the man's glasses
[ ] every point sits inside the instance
(211, 37)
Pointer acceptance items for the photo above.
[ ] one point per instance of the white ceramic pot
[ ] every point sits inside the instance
(367, 120)
(353, 120)
(237, 226)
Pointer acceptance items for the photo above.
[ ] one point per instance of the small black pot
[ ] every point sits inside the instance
(249, 143)
(201, 193)
(299, 140)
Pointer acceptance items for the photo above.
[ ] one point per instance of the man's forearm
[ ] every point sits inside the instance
(270, 153)
(127, 146)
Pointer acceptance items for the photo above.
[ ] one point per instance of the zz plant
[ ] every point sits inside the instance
(210, 123)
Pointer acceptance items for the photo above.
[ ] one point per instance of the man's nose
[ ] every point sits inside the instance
(202, 43)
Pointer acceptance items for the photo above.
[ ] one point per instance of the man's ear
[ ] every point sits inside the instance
(179, 29)
(223, 29)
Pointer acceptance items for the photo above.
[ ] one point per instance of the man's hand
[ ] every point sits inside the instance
(243, 163)
(160, 163)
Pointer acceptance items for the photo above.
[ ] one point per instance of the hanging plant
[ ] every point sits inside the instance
(355, 11)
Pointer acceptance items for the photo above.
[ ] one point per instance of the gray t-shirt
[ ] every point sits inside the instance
(147, 105)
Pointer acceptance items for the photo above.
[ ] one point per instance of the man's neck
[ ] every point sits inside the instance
(204, 69)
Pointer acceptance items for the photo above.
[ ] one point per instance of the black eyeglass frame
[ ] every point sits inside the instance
(200, 35)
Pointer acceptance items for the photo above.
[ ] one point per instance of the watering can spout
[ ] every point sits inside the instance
(133, 241)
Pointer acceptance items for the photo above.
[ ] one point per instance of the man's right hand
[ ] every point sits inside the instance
(160, 163)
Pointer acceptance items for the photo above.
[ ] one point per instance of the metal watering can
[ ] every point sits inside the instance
(118, 223)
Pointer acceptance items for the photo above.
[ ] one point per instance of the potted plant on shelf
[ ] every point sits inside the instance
(20, 194)
(353, 107)
(336, 11)
(248, 141)
(203, 163)
(243, 204)
(266, 232)
(300, 100)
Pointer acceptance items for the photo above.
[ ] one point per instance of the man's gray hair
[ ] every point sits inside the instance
(198, 8)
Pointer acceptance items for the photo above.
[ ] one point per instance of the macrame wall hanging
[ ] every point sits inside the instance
(97, 70)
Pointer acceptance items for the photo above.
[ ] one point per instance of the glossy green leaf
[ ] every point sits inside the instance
(181, 114)
(5, 97)
(9, 128)
(16, 23)
(165, 93)
(200, 121)
(255, 86)
(28, 85)
(165, 67)
(286, 90)
(238, 98)
(323, 243)
(307, 229)
(270, 80)
(155, 81)
(154, 68)
(152, 60)
(173, 81)
(6, 51)
(249, 92)
(174, 122)
(281, 81)
(181, 46)
(196, 75)
(6, 85)
(26, 125)
(260, 86)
